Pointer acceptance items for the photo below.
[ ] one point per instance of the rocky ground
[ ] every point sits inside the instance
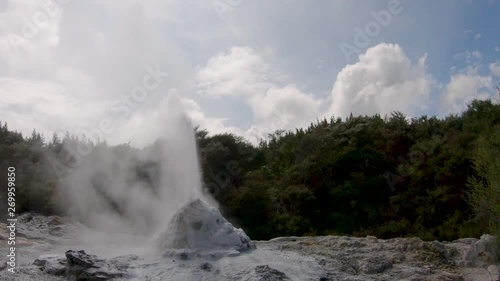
(49, 248)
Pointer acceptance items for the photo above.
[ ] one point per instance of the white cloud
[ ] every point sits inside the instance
(40, 105)
(275, 105)
(477, 54)
(287, 98)
(28, 35)
(284, 108)
(65, 72)
(241, 71)
(463, 88)
(66, 76)
(495, 68)
(477, 36)
(214, 125)
(384, 80)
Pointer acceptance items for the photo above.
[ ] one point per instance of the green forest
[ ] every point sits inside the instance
(388, 176)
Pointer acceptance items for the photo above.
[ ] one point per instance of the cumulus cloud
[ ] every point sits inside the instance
(245, 73)
(69, 72)
(463, 88)
(287, 98)
(62, 72)
(240, 71)
(214, 125)
(495, 69)
(29, 104)
(285, 108)
(282, 108)
(384, 80)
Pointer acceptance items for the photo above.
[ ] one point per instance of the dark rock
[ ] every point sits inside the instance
(52, 265)
(266, 273)
(206, 266)
(184, 256)
(83, 266)
(79, 265)
(81, 258)
(39, 262)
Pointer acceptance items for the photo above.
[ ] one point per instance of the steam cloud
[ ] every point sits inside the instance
(137, 191)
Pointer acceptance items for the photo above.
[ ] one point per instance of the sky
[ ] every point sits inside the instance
(106, 68)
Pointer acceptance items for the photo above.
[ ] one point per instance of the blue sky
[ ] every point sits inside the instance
(239, 66)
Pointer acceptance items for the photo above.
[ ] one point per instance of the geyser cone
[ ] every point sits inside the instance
(201, 226)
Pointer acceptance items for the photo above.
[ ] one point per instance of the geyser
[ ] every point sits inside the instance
(202, 227)
(135, 191)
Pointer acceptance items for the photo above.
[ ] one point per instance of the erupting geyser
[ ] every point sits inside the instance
(106, 191)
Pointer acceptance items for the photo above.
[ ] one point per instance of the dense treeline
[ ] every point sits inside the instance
(385, 176)
(365, 175)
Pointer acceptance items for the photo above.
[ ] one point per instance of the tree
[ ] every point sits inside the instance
(56, 144)
(484, 188)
